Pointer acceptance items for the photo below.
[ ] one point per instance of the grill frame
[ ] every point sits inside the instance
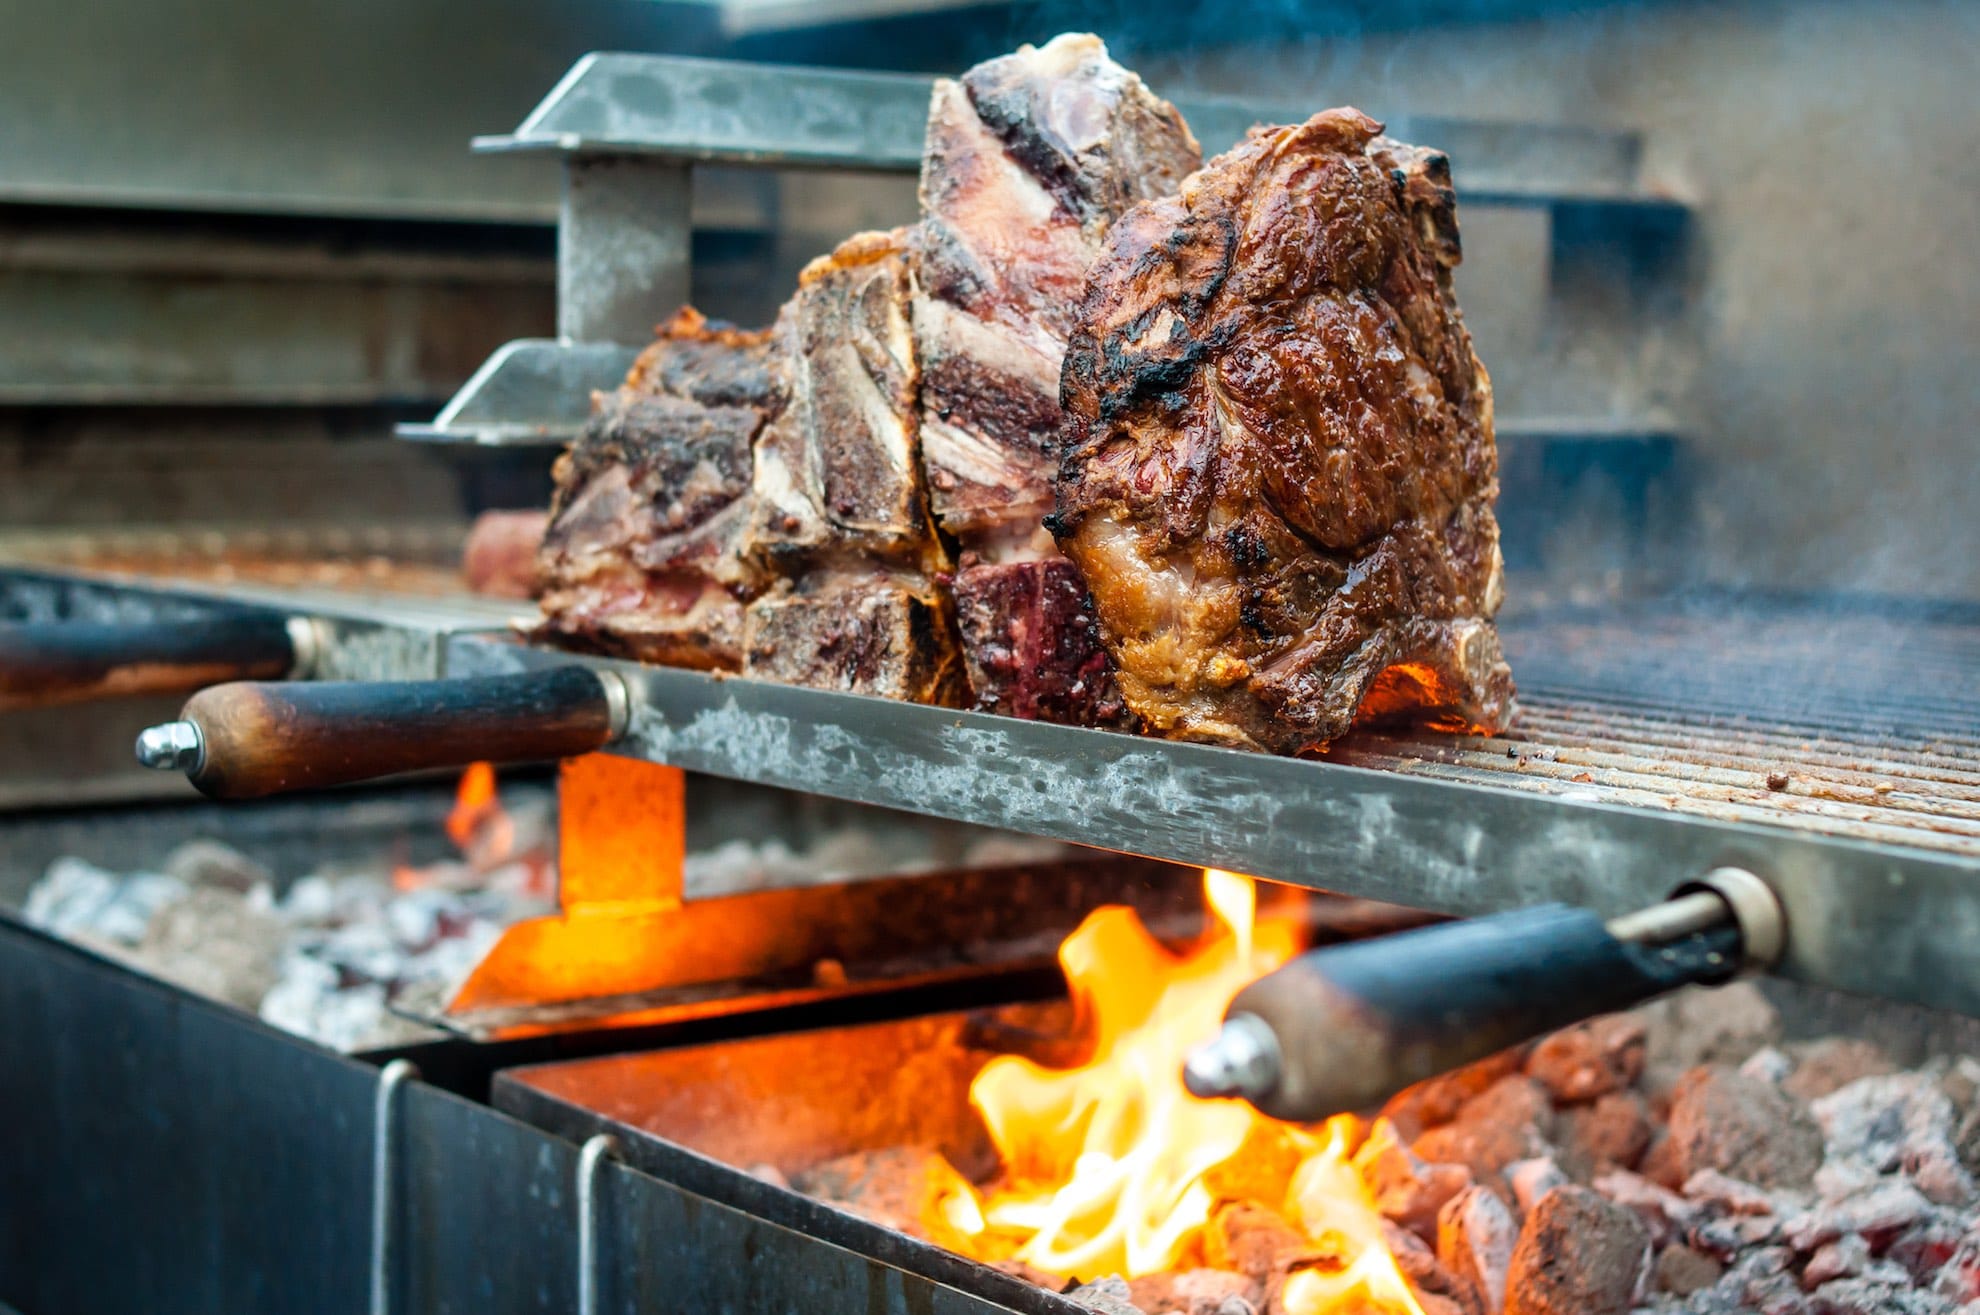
(1886, 916)
(1875, 905)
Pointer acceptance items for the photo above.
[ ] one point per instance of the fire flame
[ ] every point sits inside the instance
(477, 824)
(1114, 1168)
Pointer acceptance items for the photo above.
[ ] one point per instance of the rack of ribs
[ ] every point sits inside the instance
(839, 511)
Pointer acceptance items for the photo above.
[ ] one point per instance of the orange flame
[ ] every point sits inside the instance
(477, 824)
(1112, 1167)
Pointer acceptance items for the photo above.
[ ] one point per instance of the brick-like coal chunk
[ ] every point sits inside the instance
(1279, 470)
(1030, 158)
(839, 509)
(645, 554)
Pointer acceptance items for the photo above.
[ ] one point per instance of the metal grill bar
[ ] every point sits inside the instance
(1615, 788)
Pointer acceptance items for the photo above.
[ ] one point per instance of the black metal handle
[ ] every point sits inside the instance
(51, 662)
(244, 740)
(1354, 1024)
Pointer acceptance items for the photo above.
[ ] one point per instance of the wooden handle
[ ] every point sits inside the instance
(50, 662)
(261, 739)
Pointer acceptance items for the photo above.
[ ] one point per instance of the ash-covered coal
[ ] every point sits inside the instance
(343, 954)
(1678, 1160)
(331, 955)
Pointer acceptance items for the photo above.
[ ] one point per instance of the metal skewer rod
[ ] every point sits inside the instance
(1346, 1027)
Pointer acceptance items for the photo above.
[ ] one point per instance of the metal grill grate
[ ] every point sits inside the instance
(1839, 720)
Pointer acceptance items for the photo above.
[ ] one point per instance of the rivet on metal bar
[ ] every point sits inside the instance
(384, 1177)
(594, 1153)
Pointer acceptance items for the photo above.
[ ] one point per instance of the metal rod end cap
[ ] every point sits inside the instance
(175, 746)
(1241, 1060)
(1755, 908)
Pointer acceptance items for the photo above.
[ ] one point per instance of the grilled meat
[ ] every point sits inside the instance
(1279, 469)
(858, 630)
(499, 558)
(1029, 159)
(838, 471)
(840, 509)
(645, 555)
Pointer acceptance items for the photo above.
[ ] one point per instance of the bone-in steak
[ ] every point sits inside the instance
(1280, 469)
(1029, 159)
(840, 510)
(645, 553)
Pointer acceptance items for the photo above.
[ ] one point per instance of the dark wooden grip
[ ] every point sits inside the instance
(49, 662)
(268, 738)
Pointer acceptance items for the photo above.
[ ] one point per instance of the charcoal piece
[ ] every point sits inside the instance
(1475, 1239)
(1668, 1216)
(1434, 1101)
(1681, 1271)
(1829, 1065)
(1409, 1191)
(645, 554)
(1029, 160)
(1610, 1132)
(1743, 1127)
(1279, 465)
(1508, 1122)
(1532, 1179)
(1590, 1059)
(1577, 1255)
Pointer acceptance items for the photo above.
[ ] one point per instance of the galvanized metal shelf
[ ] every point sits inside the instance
(728, 112)
(630, 128)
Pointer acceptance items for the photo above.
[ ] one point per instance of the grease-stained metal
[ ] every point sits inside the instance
(1887, 919)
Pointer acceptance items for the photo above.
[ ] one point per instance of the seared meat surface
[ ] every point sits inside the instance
(645, 553)
(1107, 437)
(839, 507)
(1029, 160)
(1279, 470)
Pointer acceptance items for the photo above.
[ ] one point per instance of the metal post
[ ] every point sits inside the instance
(594, 1153)
(384, 1177)
(623, 239)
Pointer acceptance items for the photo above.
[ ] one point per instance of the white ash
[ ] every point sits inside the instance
(344, 954)
(1870, 1203)
(328, 959)
(738, 866)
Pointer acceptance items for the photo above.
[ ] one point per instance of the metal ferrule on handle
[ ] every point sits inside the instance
(1346, 1027)
(244, 740)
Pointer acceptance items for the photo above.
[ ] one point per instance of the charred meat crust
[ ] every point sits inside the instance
(1279, 468)
(643, 556)
(1030, 158)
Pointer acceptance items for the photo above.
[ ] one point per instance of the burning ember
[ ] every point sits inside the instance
(1112, 1167)
(485, 834)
